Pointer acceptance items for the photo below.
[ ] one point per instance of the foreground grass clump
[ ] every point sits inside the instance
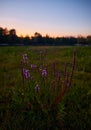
(38, 90)
(43, 89)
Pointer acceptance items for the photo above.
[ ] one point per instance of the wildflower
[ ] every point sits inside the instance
(33, 66)
(59, 75)
(73, 67)
(40, 68)
(26, 73)
(37, 88)
(52, 85)
(74, 56)
(44, 73)
(58, 80)
(25, 58)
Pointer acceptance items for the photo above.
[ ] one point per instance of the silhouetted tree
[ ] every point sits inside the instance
(89, 39)
(4, 35)
(81, 40)
(1, 34)
(12, 32)
(10, 37)
(37, 38)
(26, 40)
(1, 31)
(5, 32)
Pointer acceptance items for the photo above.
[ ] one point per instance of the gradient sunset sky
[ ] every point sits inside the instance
(52, 17)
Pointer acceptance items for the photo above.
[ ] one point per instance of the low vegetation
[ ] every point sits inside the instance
(44, 88)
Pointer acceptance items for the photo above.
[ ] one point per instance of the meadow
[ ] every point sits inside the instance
(34, 97)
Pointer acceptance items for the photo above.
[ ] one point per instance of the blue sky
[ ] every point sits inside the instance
(52, 17)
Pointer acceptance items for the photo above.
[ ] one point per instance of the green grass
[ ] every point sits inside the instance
(73, 112)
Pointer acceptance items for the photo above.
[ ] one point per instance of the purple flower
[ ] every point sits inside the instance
(44, 73)
(25, 58)
(59, 75)
(33, 66)
(26, 73)
(40, 68)
(37, 88)
(74, 56)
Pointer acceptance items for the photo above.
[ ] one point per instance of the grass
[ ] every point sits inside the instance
(72, 112)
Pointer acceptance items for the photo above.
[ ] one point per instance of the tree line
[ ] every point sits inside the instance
(10, 37)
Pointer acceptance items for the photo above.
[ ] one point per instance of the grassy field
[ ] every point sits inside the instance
(22, 108)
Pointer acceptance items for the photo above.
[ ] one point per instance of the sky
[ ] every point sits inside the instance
(55, 18)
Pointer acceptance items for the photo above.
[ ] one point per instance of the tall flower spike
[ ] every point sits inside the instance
(73, 67)
(37, 88)
(44, 73)
(58, 79)
(59, 75)
(25, 58)
(74, 57)
(26, 73)
(40, 68)
(52, 85)
(33, 66)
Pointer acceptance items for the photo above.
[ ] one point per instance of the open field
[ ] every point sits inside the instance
(20, 107)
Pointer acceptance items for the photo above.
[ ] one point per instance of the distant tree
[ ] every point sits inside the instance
(58, 41)
(88, 39)
(37, 38)
(12, 32)
(21, 39)
(36, 34)
(1, 31)
(1, 34)
(72, 40)
(4, 35)
(81, 40)
(47, 39)
(12, 37)
(26, 40)
(6, 31)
